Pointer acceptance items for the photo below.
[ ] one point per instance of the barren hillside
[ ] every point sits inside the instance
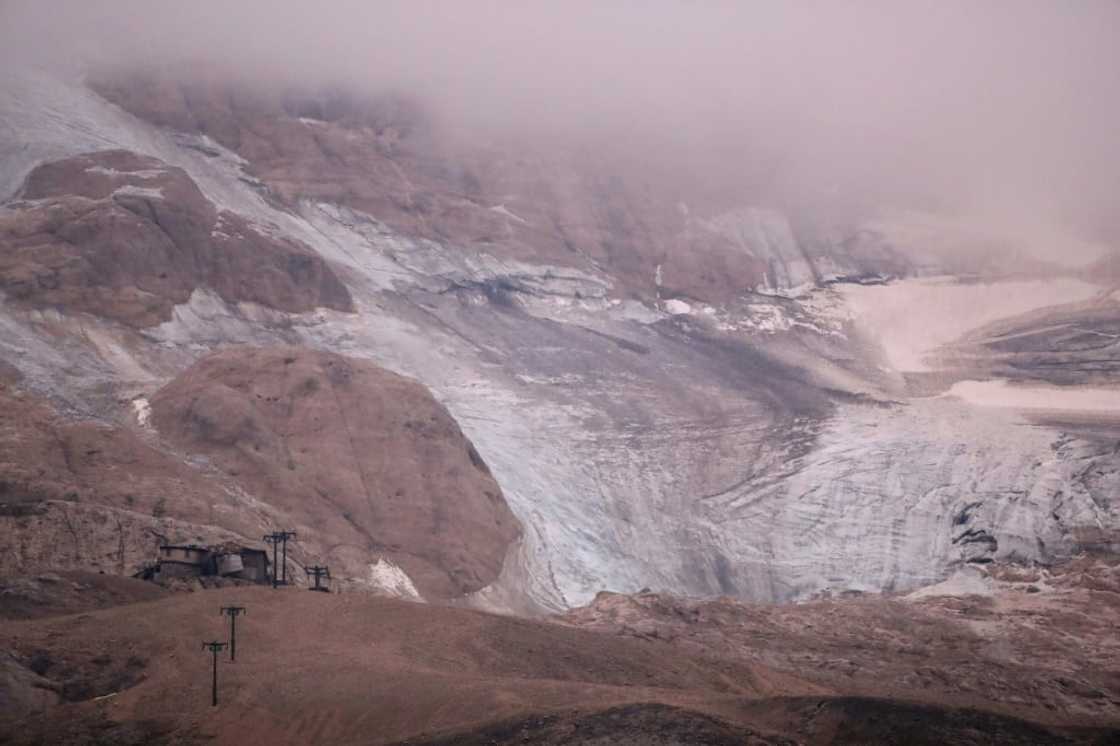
(354, 669)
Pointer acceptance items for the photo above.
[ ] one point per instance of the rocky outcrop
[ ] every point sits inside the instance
(365, 459)
(22, 690)
(127, 237)
(1029, 644)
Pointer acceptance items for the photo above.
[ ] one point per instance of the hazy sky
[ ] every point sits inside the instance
(1006, 108)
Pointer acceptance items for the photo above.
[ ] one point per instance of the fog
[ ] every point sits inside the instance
(1002, 111)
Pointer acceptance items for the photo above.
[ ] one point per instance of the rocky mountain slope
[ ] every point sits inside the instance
(124, 237)
(673, 387)
(590, 209)
(363, 457)
(1031, 643)
(372, 473)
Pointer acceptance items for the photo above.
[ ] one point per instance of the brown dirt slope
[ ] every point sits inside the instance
(629, 725)
(365, 459)
(45, 456)
(785, 721)
(356, 669)
(54, 594)
(127, 237)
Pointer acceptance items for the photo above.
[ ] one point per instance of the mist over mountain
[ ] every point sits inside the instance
(1000, 112)
(661, 372)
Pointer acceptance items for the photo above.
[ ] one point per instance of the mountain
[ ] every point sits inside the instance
(734, 468)
(125, 238)
(697, 397)
(671, 388)
(365, 459)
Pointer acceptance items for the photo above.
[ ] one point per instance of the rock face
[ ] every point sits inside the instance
(127, 237)
(375, 475)
(44, 457)
(94, 496)
(655, 230)
(1033, 642)
(363, 456)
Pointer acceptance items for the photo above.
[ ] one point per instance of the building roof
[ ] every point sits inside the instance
(228, 547)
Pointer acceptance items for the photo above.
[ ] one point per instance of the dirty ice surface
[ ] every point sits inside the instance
(1000, 393)
(910, 319)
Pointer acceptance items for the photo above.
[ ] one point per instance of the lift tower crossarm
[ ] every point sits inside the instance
(318, 572)
(232, 612)
(279, 538)
(215, 648)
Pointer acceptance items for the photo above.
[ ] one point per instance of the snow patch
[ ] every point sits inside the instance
(769, 318)
(819, 312)
(677, 307)
(503, 210)
(147, 173)
(143, 411)
(388, 577)
(967, 581)
(135, 191)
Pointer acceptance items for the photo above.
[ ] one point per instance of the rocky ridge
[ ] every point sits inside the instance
(649, 228)
(127, 237)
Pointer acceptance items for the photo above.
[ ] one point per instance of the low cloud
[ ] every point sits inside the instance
(1003, 110)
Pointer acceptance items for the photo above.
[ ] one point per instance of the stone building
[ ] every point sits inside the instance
(193, 561)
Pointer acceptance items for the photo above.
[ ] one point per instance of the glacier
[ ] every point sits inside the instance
(769, 448)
